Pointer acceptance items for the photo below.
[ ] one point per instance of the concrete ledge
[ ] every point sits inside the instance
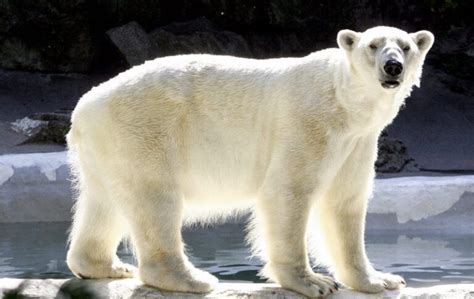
(36, 188)
(132, 288)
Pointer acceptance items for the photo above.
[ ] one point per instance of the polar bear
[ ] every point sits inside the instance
(198, 137)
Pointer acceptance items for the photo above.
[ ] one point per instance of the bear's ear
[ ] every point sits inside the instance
(423, 39)
(347, 39)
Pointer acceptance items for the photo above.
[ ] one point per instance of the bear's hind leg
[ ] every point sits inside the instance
(95, 235)
(155, 217)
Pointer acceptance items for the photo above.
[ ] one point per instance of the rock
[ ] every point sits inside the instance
(44, 127)
(189, 27)
(49, 35)
(46, 35)
(470, 49)
(454, 40)
(198, 36)
(204, 36)
(132, 42)
(393, 156)
(28, 126)
(453, 57)
(132, 288)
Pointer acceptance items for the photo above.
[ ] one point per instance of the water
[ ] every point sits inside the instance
(424, 258)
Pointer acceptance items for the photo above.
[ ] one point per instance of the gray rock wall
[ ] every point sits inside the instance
(69, 36)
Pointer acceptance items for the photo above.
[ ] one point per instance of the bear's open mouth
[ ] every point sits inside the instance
(390, 84)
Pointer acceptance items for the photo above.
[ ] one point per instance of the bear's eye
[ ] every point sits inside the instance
(373, 46)
(406, 48)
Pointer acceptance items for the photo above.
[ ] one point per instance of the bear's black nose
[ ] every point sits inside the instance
(393, 68)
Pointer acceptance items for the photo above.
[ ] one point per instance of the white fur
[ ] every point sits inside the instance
(199, 137)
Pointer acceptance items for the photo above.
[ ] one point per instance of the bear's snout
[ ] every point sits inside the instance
(393, 68)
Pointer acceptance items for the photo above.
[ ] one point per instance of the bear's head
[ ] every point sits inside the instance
(387, 57)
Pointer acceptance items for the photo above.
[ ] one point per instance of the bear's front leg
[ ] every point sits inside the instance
(341, 214)
(282, 216)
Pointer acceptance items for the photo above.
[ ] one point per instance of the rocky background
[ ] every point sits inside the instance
(51, 52)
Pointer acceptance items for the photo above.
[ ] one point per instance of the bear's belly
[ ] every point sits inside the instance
(226, 174)
(222, 167)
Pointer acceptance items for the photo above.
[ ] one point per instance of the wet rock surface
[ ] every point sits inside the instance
(132, 288)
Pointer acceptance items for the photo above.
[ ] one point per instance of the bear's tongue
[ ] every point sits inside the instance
(390, 84)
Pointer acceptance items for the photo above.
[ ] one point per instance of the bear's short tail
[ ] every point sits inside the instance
(73, 142)
(72, 138)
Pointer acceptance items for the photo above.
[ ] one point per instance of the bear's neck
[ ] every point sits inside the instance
(367, 108)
